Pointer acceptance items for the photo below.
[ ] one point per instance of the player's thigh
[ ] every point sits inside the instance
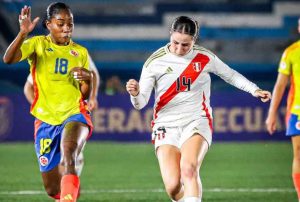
(169, 162)
(74, 135)
(296, 144)
(194, 150)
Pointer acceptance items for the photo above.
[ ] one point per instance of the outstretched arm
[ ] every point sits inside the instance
(13, 53)
(279, 88)
(238, 80)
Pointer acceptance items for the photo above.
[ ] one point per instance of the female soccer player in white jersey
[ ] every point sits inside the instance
(182, 121)
(61, 81)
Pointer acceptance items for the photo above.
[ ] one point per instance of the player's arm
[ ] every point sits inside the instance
(13, 53)
(29, 92)
(93, 102)
(85, 78)
(140, 92)
(278, 91)
(238, 80)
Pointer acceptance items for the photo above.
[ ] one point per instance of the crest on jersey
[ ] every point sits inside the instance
(197, 66)
(74, 53)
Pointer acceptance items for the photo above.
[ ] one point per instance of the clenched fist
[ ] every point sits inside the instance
(133, 87)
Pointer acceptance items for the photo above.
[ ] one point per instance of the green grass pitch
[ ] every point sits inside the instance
(231, 172)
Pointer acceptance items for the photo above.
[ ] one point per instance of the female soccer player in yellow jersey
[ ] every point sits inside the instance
(62, 82)
(289, 69)
(182, 120)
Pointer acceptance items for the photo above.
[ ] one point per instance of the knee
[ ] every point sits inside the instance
(189, 170)
(173, 187)
(68, 154)
(297, 152)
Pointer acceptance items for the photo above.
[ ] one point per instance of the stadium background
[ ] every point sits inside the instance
(244, 163)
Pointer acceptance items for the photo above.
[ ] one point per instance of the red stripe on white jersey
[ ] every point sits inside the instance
(193, 70)
(207, 114)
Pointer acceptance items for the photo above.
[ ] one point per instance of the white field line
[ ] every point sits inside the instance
(117, 191)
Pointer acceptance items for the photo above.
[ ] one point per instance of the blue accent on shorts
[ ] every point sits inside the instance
(293, 125)
(47, 142)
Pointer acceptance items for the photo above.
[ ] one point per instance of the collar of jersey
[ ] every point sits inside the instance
(58, 46)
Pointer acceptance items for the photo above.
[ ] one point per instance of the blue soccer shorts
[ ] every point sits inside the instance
(47, 140)
(293, 125)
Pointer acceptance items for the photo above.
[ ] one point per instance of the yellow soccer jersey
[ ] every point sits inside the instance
(57, 94)
(290, 65)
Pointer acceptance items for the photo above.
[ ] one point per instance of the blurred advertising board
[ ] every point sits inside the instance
(237, 117)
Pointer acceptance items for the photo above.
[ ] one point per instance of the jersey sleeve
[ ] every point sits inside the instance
(285, 64)
(233, 77)
(92, 66)
(28, 47)
(146, 83)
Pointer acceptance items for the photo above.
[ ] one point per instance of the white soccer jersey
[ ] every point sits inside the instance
(182, 85)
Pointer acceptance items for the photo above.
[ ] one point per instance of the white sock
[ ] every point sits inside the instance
(192, 199)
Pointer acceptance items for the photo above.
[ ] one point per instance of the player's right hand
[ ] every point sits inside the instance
(271, 124)
(133, 87)
(26, 25)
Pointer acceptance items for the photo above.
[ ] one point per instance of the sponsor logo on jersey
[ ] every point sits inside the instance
(43, 160)
(74, 53)
(197, 66)
(195, 129)
(169, 70)
(49, 49)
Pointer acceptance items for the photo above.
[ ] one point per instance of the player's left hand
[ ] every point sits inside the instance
(81, 74)
(264, 95)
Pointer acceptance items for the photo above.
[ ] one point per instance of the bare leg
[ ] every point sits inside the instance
(296, 164)
(169, 159)
(51, 180)
(193, 152)
(73, 139)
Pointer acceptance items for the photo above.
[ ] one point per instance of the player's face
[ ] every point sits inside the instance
(61, 27)
(181, 44)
